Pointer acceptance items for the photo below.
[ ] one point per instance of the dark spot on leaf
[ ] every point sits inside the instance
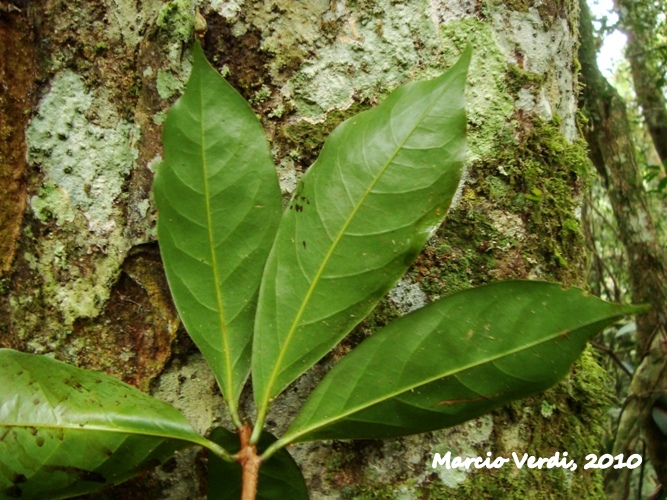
(298, 208)
(33, 431)
(304, 244)
(20, 373)
(36, 401)
(19, 478)
(40, 441)
(74, 384)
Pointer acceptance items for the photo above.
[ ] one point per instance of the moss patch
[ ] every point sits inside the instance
(241, 55)
(517, 78)
(305, 139)
(578, 408)
(488, 103)
(177, 19)
(546, 175)
(516, 217)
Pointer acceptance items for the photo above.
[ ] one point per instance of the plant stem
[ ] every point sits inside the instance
(217, 449)
(234, 413)
(259, 423)
(250, 463)
(276, 446)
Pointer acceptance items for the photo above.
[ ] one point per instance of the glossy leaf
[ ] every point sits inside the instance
(359, 217)
(219, 205)
(279, 478)
(454, 360)
(65, 431)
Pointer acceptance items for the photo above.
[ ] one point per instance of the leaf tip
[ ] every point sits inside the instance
(197, 49)
(465, 57)
(638, 309)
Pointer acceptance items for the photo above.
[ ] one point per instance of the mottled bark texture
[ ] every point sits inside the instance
(613, 154)
(639, 21)
(17, 85)
(86, 85)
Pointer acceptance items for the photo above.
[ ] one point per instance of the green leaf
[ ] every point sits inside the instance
(219, 206)
(359, 217)
(279, 478)
(454, 360)
(65, 431)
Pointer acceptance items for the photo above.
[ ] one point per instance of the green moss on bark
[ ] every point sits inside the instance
(177, 19)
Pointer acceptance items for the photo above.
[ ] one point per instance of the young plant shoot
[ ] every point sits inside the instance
(267, 293)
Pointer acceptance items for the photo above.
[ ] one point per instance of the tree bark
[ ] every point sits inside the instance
(86, 284)
(17, 83)
(639, 23)
(613, 154)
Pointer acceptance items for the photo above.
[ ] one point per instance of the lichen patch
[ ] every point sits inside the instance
(407, 295)
(488, 104)
(549, 53)
(377, 49)
(84, 151)
(85, 162)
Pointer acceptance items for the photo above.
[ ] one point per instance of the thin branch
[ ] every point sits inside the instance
(610, 352)
(250, 463)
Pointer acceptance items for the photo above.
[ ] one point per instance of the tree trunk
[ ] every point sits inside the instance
(639, 22)
(613, 153)
(87, 90)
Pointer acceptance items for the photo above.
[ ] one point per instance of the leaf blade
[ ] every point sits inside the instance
(342, 243)
(219, 206)
(459, 361)
(67, 431)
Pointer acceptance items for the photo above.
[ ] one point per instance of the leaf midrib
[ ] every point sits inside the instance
(192, 438)
(214, 261)
(291, 438)
(333, 246)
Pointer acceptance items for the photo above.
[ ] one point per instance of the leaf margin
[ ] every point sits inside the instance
(294, 435)
(223, 362)
(26, 376)
(264, 395)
